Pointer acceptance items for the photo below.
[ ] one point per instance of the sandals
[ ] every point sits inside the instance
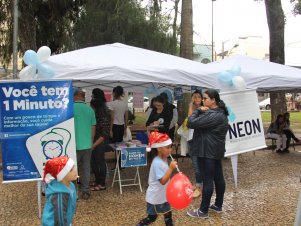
(98, 188)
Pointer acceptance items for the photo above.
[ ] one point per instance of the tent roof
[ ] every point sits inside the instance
(262, 75)
(135, 68)
(112, 64)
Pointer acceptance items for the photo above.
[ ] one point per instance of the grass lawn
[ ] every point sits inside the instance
(295, 118)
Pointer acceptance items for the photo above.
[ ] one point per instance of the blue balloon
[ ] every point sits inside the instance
(229, 110)
(236, 70)
(31, 58)
(225, 77)
(231, 117)
(45, 70)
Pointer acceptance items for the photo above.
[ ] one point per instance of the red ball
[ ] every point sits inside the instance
(179, 191)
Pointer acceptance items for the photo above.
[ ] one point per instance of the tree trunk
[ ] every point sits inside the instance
(275, 19)
(185, 50)
(174, 27)
(186, 30)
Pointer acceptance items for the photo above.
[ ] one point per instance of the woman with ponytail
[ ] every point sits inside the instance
(210, 124)
(101, 139)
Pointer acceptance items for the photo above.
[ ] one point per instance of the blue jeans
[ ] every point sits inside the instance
(213, 173)
(84, 166)
(197, 171)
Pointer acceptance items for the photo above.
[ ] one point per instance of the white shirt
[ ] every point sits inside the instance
(175, 117)
(156, 192)
(119, 107)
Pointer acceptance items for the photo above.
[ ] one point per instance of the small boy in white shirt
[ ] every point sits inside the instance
(159, 176)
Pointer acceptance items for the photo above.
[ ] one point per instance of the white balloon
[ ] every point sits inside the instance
(43, 53)
(239, 83)
(28, 72)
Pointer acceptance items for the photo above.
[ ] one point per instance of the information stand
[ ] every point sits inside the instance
(130, 157)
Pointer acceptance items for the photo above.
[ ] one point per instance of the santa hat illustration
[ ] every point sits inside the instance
(58, 167)
(157, 140)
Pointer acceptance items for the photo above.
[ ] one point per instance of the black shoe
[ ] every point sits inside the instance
(216, 209)
(278, 151)
(286, 150)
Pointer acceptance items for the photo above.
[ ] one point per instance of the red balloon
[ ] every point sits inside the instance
(179, 191)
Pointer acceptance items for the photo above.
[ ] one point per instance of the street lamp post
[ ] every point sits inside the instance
(212, 41)
(15, 40)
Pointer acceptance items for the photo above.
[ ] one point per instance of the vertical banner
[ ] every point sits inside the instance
(246, 132)
(178, 93)
(131, 157)
(138, 98)
(36, 124)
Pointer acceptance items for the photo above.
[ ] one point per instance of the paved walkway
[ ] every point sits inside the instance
(267, 194)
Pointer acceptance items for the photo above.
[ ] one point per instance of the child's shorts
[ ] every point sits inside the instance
(158, 208)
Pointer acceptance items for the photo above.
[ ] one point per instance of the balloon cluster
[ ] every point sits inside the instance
(232, 78)
(36, 66)
(179, 191)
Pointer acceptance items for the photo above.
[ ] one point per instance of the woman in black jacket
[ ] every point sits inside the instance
(210, 124)
(160, 116)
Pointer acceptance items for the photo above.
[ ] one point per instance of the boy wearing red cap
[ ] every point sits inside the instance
(60, 193)
(158, 179)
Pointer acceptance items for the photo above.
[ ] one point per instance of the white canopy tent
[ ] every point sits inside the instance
(133, 68)
(264, 76)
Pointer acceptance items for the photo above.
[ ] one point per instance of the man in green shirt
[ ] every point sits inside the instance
(84, 121)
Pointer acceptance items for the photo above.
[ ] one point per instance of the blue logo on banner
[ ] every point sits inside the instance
(131, 157)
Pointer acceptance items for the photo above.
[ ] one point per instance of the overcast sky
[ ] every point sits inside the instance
(236, 18)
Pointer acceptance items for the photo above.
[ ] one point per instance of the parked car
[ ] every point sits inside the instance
(265, 104)
(145, 105)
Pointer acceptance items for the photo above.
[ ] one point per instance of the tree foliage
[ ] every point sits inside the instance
(40, 23)
(296, 6)
(71, 24)
(109, 21)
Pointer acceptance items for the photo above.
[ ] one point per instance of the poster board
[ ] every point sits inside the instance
(246, 132)
(36, 124)
(133, 157)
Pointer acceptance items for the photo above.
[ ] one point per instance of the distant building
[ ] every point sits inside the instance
(252, 46)
(202, 53)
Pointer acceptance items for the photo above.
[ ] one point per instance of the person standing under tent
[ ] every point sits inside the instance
(101, 139)
(196, 102)
(173, 112)
(159, 116)
(119, 115)
(84, 123)
(210, 124)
